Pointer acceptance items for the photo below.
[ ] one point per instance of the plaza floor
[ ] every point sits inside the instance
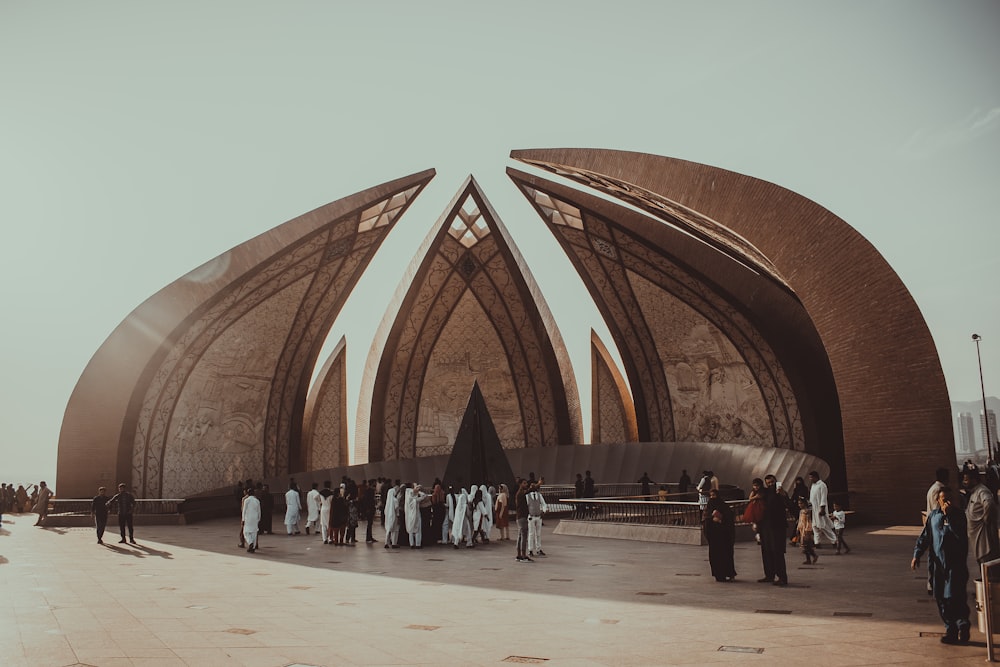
(186, 595)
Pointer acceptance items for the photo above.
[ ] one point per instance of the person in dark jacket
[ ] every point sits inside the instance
(772, 529)
(720, 532)
(946, 537)
(126, 508)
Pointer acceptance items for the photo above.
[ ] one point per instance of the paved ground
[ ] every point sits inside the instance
(188, 596)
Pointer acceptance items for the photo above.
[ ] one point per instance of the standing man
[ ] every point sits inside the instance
(367, 507)
(99, 510)
(589, 490)
(981, 515)
(645, 481)
(251, 519)
(313, 499)
(821, 516)
(521, 505)
(578, 488)
(293, 508)
(772, 528)
(946, 538)
(684, 482)
(126, 508)
(536, 508)
(42, 504)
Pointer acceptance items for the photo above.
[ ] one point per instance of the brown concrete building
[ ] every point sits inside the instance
(751, 324)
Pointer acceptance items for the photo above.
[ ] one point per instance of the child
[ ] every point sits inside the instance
(805, 531)
(839, 521)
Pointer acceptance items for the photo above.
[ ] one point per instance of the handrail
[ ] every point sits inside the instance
(650, 512)
(142, 505)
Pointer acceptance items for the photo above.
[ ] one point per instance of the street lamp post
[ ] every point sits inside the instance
(982, 386)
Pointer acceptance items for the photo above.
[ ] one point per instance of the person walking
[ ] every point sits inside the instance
(251, 519)
(99, 510)
(126, 503)
(293, 508)
(313, 499)
(839, 524)
(804, 533)
(822, 526)
(945, 538)
(42, 503)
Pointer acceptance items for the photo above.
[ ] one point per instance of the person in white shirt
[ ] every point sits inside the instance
(536, 508)
(251, 519)
(293, 508)
(313, 501)
(822, 526)
(839, 523)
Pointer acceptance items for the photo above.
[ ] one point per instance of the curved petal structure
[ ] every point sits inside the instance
(883, 365)
(467, 311)
(206, 381)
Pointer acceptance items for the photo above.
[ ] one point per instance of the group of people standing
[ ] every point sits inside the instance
(768, 510)
(956, 522)
(410, 515)
(19, 501)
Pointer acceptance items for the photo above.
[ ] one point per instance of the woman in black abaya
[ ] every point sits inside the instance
(720, 531)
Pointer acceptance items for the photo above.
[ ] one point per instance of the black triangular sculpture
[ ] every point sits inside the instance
(477, 456)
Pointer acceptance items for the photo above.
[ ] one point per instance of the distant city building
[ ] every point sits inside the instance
(966, 433)
(991, 417)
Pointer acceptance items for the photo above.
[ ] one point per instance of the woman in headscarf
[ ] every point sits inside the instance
(338, 516)
(414, 525)
(720, 531)
(391, 524)
(500, 512)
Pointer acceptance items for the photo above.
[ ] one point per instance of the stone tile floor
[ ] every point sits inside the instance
(186, 595)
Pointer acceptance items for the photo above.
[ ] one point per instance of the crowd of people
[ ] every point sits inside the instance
(769, 508)
(19, 500)
(409, 514)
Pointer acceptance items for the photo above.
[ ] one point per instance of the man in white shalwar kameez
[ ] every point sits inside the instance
(293, 509)
(325, 504)
(450, 500)
(460, 524)
(251, 520)
(822, 525)
(391, 503)
(414, 525)
(313, 500)
(488, 515)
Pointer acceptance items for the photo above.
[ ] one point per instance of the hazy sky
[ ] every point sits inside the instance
(139, 140)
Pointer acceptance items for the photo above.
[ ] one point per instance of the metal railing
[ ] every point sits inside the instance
(647, 510)
(142, 506)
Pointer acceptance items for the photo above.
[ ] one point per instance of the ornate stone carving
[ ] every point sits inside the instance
(470, 314)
